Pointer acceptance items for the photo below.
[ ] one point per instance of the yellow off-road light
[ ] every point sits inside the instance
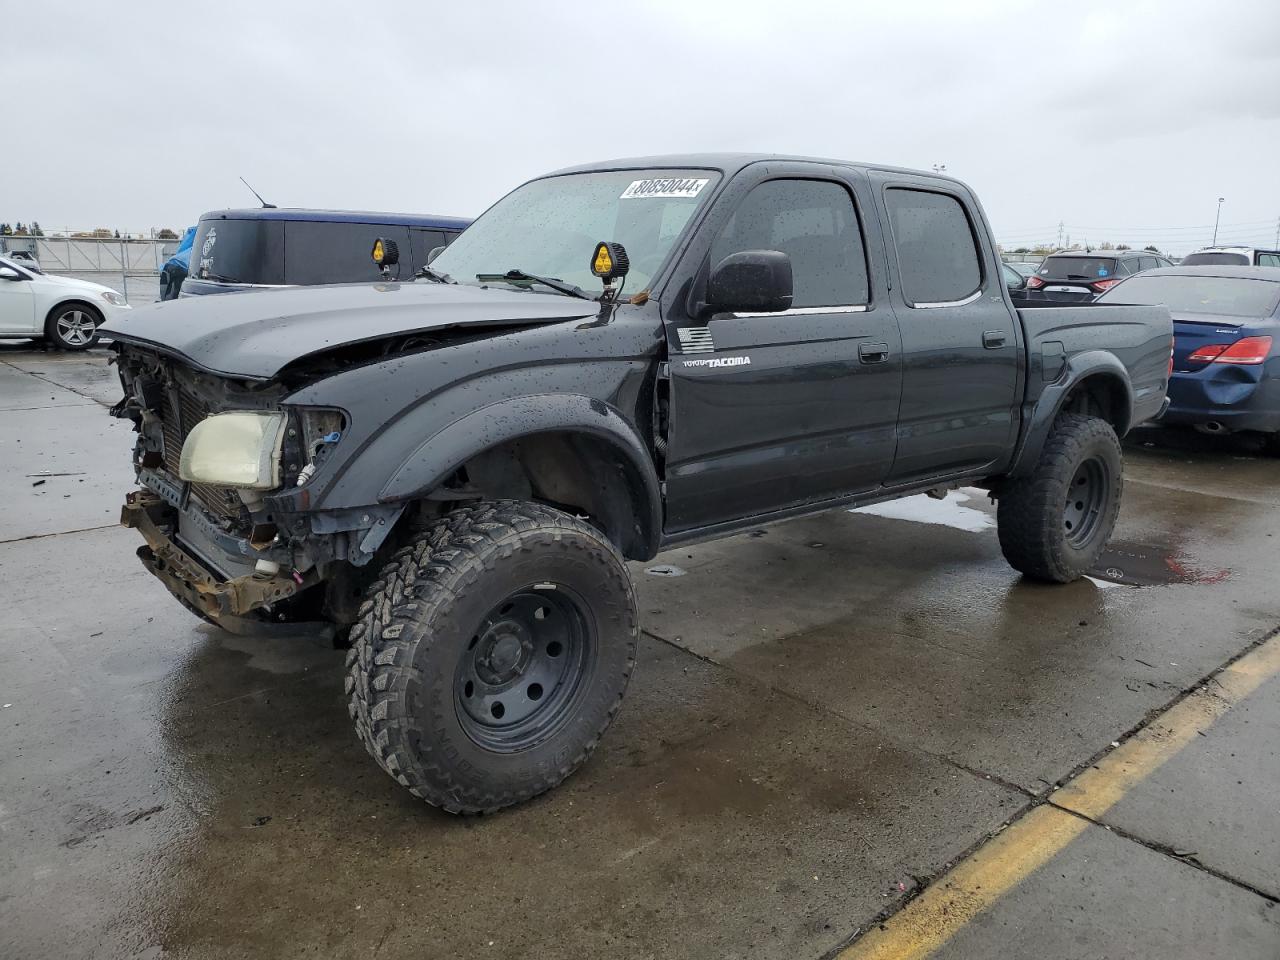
(385, 252)
(610, 262)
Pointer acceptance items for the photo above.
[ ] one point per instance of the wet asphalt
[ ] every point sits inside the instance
(826, 715)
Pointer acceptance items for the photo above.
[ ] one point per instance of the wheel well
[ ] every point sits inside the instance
(576, 472)
(1100, 395)
(61, 304)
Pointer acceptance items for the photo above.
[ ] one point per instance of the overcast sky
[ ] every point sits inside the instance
(1125, 119)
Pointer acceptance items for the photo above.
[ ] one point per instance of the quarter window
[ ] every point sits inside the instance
(1269, 259)
(937, 251)
(813, 222)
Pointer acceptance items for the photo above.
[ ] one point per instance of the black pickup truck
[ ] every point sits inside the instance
(615, 358)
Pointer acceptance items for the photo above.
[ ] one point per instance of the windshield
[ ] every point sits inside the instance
(550, 227)
(1219, 296)
(1077, 268)
(1216, 259)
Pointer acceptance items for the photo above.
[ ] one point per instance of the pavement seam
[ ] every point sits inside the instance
(58, 533)
(927, 882)
(63, 386)
(823, 709)
(1167, 851)
(1200, 493)
(49, 406)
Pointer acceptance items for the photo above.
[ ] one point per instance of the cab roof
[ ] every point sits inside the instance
(731, 163)
(428, 220)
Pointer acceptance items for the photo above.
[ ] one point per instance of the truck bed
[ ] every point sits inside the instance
(1061, 337)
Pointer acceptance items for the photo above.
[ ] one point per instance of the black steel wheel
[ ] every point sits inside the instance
(524, 668)
(1086, 501)
(1055, 521)
(491, 654)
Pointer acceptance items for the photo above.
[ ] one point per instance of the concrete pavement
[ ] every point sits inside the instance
(829, 715)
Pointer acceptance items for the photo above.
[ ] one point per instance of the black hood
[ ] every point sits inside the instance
(254, 335)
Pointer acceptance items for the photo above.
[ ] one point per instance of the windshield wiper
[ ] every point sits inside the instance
(516, 276)
(435, 276)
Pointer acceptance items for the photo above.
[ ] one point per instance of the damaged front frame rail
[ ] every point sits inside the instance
(188, 579)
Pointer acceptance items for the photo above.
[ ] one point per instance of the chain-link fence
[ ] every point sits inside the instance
(130, 266)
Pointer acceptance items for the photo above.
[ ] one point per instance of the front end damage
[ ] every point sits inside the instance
(227, 553)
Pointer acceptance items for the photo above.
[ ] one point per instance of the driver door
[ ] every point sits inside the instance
(779, 410)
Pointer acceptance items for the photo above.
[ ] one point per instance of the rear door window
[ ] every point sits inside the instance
(325, 252)
(1269, 259)
(239, 251)
(813, 222)
(936, 247)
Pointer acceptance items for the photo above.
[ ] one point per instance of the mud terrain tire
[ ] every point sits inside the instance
(1055, 522)
(491, 654)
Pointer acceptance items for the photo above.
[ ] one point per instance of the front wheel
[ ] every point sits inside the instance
(72, 326)
(1055, 522)
(491, 654)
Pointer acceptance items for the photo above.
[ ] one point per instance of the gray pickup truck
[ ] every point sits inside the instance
(451, 473)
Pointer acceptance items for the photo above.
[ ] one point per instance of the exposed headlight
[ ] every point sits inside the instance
(235, 450)
(114, 298)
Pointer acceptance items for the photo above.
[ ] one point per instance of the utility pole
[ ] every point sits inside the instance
(1216, 218)
(1061, 227)
(1277, 233)
(939, 168)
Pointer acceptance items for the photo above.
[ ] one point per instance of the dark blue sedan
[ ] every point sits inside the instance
(1226, 356)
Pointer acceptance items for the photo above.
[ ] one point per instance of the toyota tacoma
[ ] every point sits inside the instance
(451, 473)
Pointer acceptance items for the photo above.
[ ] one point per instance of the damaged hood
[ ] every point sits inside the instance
(255, 334)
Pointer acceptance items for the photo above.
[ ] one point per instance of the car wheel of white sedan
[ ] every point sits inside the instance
(73, 326)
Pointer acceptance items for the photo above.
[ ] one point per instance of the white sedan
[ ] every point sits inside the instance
(62, 310)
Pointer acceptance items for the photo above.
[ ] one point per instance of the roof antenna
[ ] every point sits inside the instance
(265, 205)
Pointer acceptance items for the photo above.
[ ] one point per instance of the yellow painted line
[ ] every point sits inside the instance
(1007, 859)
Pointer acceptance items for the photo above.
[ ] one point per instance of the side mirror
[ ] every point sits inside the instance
(433, 253)
(752, 281)
(8, 273)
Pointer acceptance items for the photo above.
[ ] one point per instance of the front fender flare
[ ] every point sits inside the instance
(1045, 408)
(440, 454)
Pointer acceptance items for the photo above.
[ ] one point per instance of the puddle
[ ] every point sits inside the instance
(949, 512)
(1149, 565)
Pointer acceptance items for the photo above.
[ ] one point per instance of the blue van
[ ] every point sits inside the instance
(274, 247)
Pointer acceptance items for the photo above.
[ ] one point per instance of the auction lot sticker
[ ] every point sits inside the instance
(669, 187)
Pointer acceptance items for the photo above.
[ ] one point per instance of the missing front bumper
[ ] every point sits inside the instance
(188, 579)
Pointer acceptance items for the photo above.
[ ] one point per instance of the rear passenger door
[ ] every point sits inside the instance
(960, 339)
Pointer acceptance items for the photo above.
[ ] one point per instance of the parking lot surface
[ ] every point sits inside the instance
(856, 732)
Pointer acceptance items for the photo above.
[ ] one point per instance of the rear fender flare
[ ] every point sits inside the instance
(441, 454)
(1078, 368)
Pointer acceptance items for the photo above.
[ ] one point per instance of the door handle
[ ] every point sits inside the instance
(993, 339)
(873, 352)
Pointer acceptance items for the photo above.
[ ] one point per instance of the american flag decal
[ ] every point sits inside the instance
(695, 340)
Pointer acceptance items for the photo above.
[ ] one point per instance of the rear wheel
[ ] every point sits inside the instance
(72, 326)
(1054, 523)
(491, 654)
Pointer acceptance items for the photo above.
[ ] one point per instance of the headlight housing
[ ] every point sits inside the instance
(114, 298)
(240, 449)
